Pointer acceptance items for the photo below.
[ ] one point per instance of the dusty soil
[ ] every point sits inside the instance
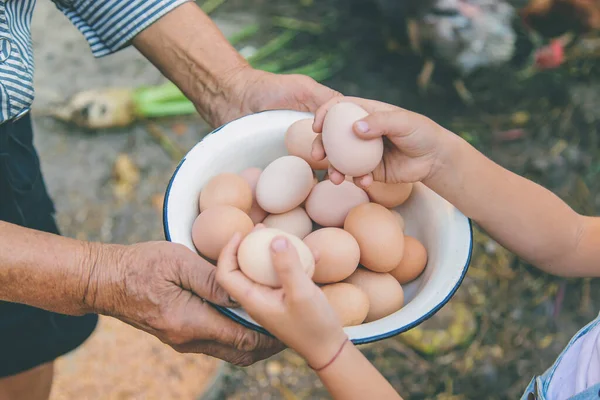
(523, 317)
(122, 362)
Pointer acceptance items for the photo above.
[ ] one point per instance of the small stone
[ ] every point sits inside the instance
(545, 341)
(516, 314)
(491, 247)
(520, 118)
(540, 164)
(489, 372)
(274, 368)
(496, 352)
(573, 155)
(157, 201)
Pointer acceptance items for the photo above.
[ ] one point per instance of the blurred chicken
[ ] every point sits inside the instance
(554, 18)
(563, 21)
(462, 35)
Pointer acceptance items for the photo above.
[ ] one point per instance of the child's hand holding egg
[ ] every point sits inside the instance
(364, 256)
(345, 151)
(254, 256)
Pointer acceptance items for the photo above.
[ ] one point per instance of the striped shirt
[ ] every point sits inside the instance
(107, 25)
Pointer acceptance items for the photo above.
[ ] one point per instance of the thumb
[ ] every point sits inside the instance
(318, 93)
(200, 277)
(318, 150)
(287, 265)
(389, 123)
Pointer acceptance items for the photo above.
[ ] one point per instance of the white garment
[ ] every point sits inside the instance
(579, 368)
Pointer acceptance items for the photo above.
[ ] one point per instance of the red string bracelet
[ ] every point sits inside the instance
(333, 359)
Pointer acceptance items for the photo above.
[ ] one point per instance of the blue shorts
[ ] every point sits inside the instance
(30, 336)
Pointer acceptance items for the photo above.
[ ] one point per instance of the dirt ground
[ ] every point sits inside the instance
(546, 128)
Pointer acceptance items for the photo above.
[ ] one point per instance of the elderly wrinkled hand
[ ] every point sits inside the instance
(256, 91)
(164, 289)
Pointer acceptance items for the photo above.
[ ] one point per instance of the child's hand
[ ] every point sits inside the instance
(412, 141)
(298, 314)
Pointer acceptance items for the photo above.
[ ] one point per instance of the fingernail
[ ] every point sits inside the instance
(362, 126)
(279, 245)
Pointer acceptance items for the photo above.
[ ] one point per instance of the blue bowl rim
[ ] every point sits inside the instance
(358, 341)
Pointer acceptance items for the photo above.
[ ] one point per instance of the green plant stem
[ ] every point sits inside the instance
(167, 100)
(211, 5)
(271, 47)
(298, 25)
(245, 34)
(319, 70)
(157, 94)
(168, 109)
(288, 60)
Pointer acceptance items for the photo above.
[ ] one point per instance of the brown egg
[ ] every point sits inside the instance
(295, 222)
(378, 234)
(400, 219)
(384, 292)
(284, 184)
(389, 195)
(254, 256)
(298, 141)
(328, 204)
(251, 176)
(226, 189)
(215, 226)
(338, 254)
(413, 262)
(349, 302)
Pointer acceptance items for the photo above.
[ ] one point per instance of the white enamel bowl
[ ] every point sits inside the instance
(258, 139)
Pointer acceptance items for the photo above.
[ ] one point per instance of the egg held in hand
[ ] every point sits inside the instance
(251, 176)
(226, 189)
(338, 254)
(214, 227)
(385, 294)
(284, 184)
(299, 140)
(345, 151)
(254, 256)
(328, 204)
(350, 303)
(295, 221)
(379, 236)
(413, 261)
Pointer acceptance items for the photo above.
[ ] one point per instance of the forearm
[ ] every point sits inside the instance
(47, 271)
(521, 215)
(352, 376)
(191, 51)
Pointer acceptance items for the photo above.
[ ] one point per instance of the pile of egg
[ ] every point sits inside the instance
(364, 257)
